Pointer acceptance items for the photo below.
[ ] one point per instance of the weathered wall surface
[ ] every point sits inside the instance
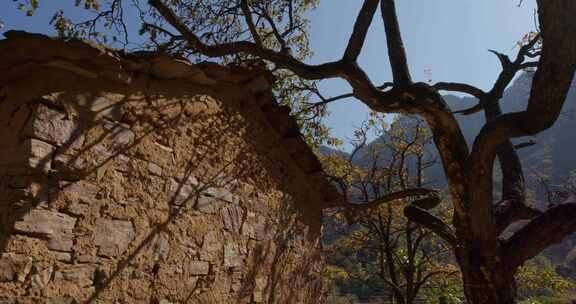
(143, 179)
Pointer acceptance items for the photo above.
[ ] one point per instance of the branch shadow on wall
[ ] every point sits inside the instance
(64, 172)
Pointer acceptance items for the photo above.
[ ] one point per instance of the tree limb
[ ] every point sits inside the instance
(324, 100)
(396, 52)
(276, 32)
(513, 186)
(248, 18)
(524, 144)
(550, 228)
(504, 59)
(424, 218)
(460, 87)
(361, 26)
(510, 211)
(364, 89)
(509, 70)
(311, 72)
(393, 196)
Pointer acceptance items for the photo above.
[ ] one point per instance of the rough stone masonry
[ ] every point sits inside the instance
(139, 178)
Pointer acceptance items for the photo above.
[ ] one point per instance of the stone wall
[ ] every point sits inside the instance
(138, 178)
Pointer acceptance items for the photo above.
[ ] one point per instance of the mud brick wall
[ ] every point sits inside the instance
(131, 178)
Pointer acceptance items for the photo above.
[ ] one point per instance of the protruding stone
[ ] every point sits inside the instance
(113, 236)
(232, 257)
(254, 227)
(154, 169)
(54, 127)
(125, 137)
(14, 267)
(82, 275)
(69, 165)
(180, 193)
(63, 256)
(40, 154)
(209, 205)
(123, 163)
(221, 194)
(31, 154)
(55, 225)
(211, 247)
(198, 268)
(121, 134)
(103, 106)
(78, 208)
(188, 179)
(41, 276)
(295, 144)
(232, 216)
(61, 242)
(83, 189)
(161, 247)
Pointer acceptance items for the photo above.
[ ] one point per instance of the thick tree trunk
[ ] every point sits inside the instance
(489, 284)
(399, 299)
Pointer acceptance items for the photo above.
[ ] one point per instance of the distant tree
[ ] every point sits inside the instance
(402, 255)
(539, 282)
(275, 31)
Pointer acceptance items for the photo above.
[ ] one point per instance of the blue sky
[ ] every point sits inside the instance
(446, 40)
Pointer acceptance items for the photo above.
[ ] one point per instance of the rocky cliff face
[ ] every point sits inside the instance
(144, 179)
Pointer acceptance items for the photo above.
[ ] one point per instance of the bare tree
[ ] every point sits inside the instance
(408, 257)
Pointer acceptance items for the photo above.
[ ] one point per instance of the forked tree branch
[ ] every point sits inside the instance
(325, 101)
(549, 89)
(414, 192)
(504, 59)
(310, 72)
(509, 70)
(364, 89)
